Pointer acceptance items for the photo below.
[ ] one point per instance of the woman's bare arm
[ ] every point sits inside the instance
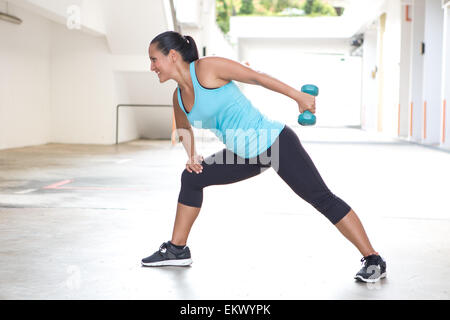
(186, 135)
(183, 128)
(228, 69)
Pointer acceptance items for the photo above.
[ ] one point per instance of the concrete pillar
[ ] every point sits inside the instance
(432, 77)
(416, 87)
(426, 71)
(405, 74)
(369, 113)
(391, 67)
(380, 65)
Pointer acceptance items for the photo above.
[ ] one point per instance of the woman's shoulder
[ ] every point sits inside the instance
(208, 69)
(207, 64)
(212, 61)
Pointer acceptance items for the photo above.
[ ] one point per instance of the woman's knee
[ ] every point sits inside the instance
(331, 206)
(191, 179)
(191, 192)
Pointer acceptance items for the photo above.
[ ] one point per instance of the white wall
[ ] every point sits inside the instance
(391, 60)
(410, 78)
(131, 24)
(87, 85)
(82, 88)
(127, 116)
(369, 114)
(88, 14)
(24, 80)
(432, 78)
(445, 127)
(145, 122)
(426, 71)
(381, 71)
(62, 85)
(301, 61)
(418, 26)
(405, 72)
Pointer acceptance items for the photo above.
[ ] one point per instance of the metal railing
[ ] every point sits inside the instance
(134, 105)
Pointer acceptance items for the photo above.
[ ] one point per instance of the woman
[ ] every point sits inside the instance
(207, 97)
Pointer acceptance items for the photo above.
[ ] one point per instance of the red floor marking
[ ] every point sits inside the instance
(56, 185)
(101, 188)
(59, 185)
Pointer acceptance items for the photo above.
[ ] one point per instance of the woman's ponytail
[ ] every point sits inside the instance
(192, 54)
(185, 45)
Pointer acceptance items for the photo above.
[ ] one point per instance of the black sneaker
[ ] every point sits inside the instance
(373, 270)
(168, 255)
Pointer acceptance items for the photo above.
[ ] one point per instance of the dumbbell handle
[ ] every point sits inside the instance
(307, 118)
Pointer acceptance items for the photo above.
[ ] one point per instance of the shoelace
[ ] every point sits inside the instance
(163, 248)
(370, 260)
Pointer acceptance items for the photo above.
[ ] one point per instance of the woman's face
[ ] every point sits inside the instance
(159, 63)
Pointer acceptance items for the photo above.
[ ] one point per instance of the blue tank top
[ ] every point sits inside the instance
(231, 117)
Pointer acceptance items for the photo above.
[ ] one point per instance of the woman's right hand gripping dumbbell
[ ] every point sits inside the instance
(306, 102)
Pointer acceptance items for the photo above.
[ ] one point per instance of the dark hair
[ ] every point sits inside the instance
(185, 45)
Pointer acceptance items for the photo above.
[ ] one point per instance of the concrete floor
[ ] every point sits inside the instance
(75, 221)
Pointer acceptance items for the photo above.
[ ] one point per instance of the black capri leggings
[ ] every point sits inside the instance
(286, 156)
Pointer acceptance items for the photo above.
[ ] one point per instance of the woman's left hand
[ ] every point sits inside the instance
(306, 102)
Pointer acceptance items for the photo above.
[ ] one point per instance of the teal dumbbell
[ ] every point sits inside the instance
(307, 118)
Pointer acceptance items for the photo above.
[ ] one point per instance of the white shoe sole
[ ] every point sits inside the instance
(383, 275)
(177, 263)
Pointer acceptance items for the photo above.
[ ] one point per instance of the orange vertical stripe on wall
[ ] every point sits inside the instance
(424, 119)
(443, 120)
(407, 18)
